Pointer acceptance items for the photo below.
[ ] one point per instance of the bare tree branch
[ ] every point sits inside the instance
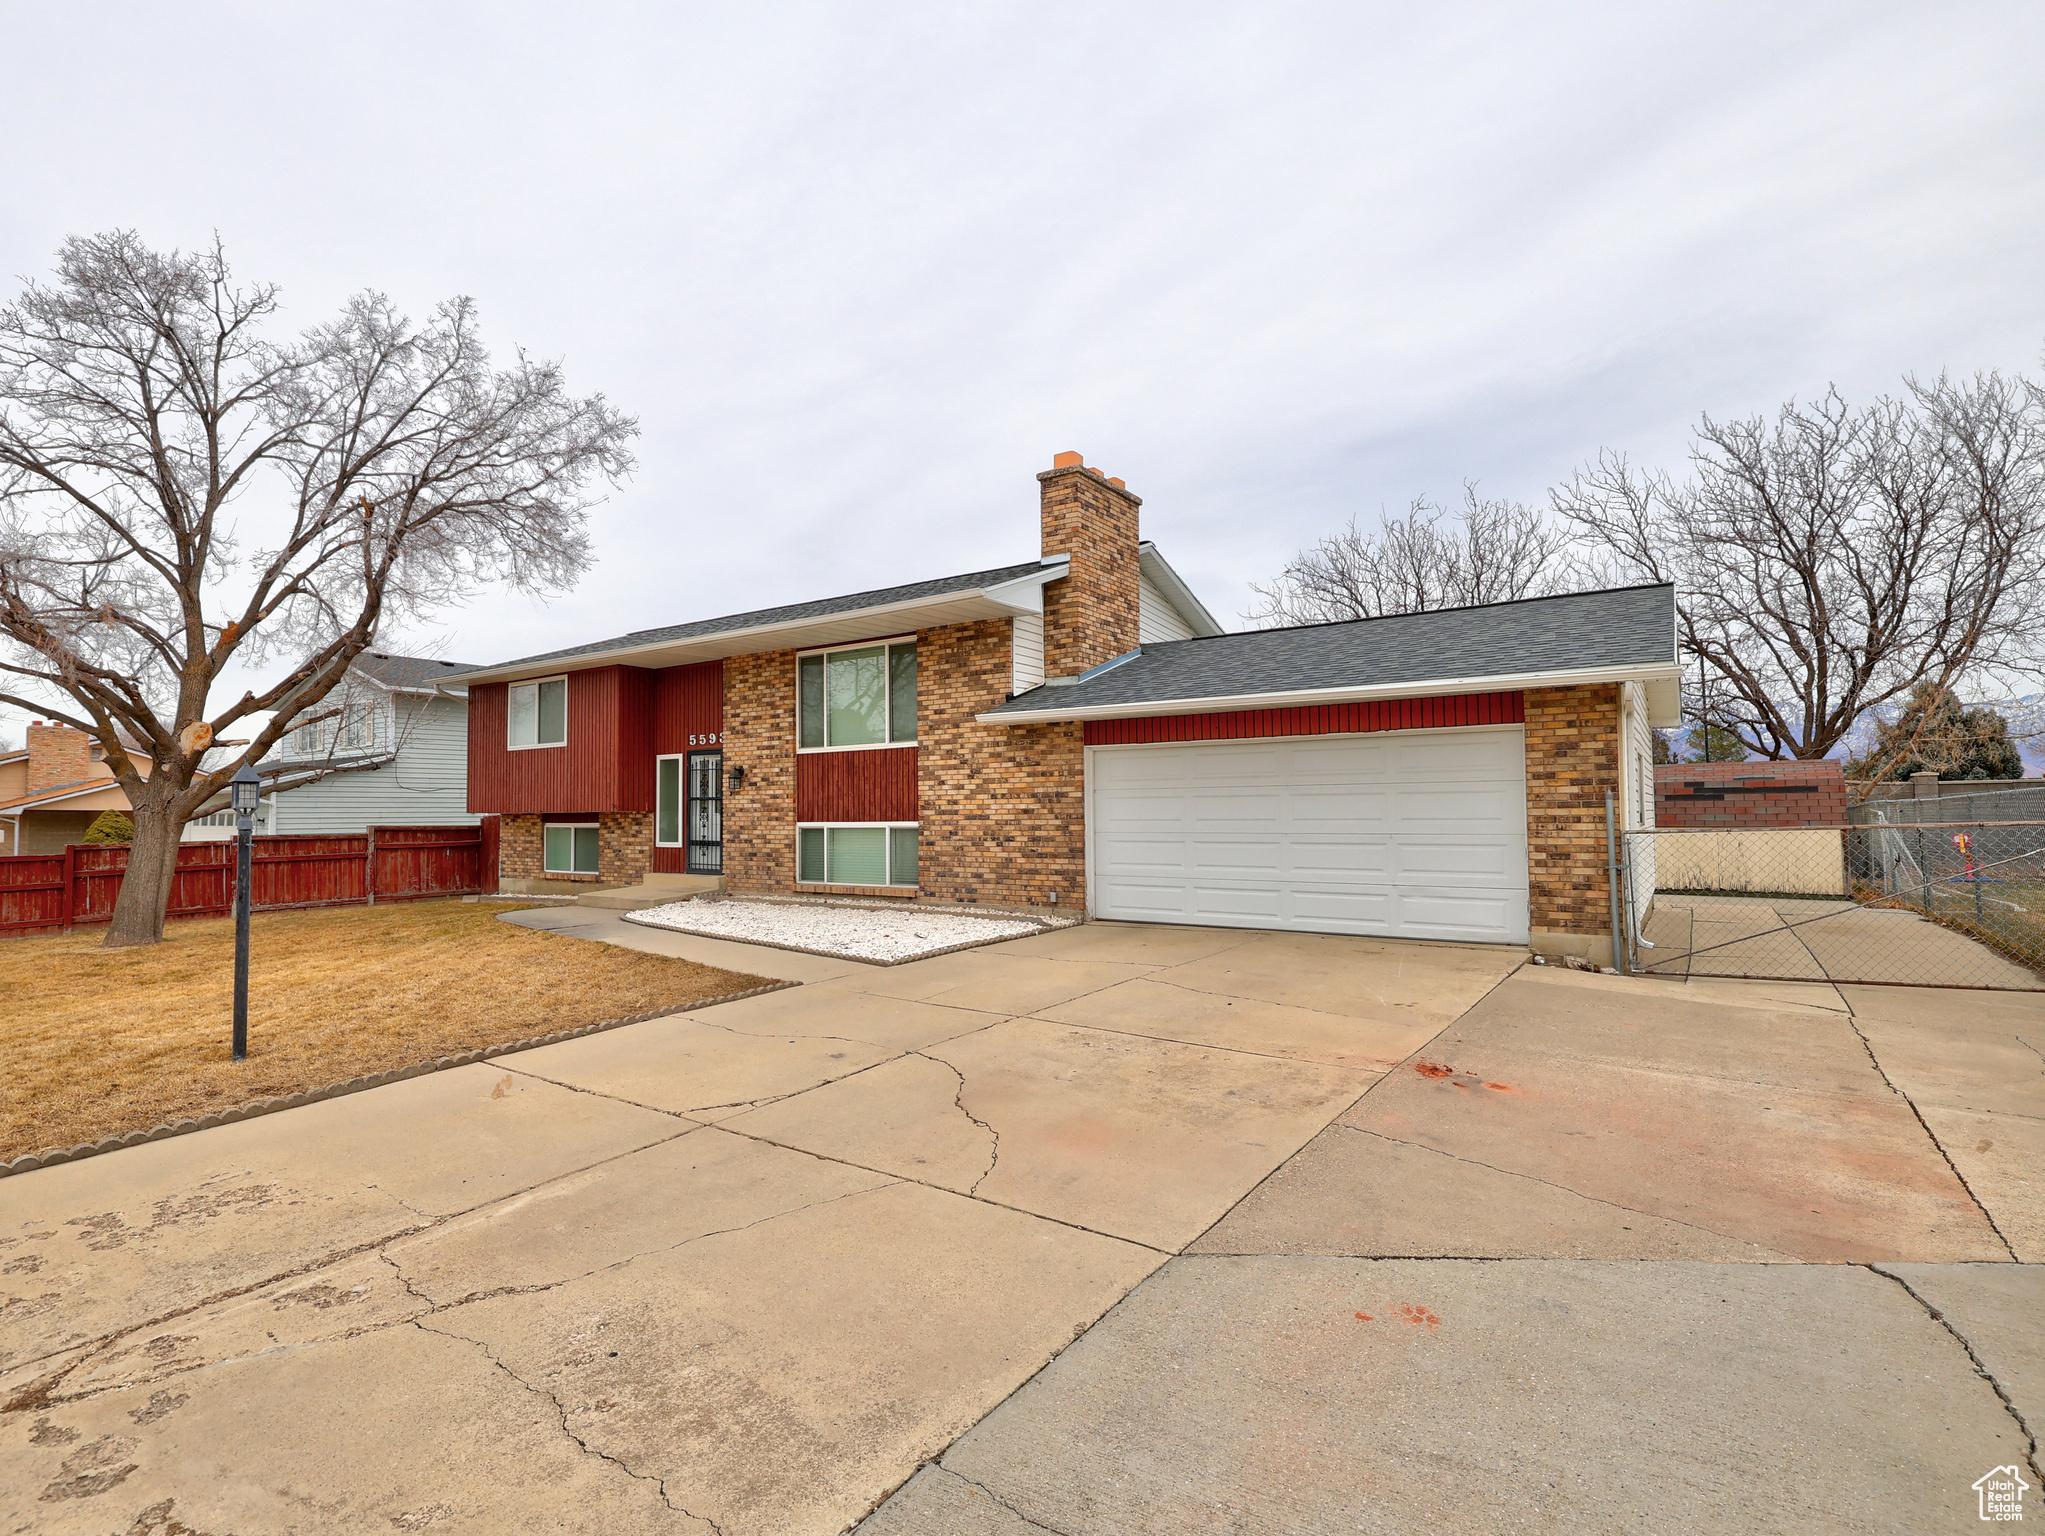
(393, 471)
(1833, 560)
(1490, 552)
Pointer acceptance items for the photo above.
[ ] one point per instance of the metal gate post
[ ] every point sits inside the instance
(1612, 884)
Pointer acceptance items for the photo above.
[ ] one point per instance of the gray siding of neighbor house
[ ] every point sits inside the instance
(427, 785)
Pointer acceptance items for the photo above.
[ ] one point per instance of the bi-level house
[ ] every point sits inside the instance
(1074, 730)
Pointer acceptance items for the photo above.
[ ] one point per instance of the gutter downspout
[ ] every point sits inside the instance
(1612, 884)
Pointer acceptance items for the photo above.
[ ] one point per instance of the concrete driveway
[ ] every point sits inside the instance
(1418, 1239)
(742, 1269)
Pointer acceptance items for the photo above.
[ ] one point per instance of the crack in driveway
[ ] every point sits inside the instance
(1931, 1135)
(561, 1412)
(959, 1103)
(1980, 1367)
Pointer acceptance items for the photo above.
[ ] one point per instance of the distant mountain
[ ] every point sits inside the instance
(2026, 717)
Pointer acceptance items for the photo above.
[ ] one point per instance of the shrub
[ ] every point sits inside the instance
(110, 827)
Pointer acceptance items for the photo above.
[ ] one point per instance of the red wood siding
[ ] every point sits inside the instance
(607, 764)
(1315, 720)
(688, 707)
(688, 715)
(874, 785)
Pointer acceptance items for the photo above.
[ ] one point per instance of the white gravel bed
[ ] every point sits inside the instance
(878, 936)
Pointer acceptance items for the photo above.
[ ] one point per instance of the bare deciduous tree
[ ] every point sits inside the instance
(1489, 552)
(1837, 558)
(387, 469)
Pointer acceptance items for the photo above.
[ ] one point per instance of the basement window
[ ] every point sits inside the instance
(570, 848)
(860, 854)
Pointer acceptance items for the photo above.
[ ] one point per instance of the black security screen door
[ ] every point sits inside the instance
(706, 813)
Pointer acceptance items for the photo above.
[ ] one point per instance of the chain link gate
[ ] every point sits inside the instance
(1946, 904)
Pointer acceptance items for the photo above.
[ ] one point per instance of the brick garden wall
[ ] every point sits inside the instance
(1003, 807)
(759, 736)
(1750, 795)
(1572, 759)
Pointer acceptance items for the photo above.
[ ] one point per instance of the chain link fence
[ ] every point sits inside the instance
(1956, 802)
(1947, 904)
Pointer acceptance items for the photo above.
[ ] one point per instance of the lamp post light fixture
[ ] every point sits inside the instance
(245, 791)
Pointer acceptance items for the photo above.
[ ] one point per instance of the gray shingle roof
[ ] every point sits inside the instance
(1631, 626)
(407, 671)
(792, 613)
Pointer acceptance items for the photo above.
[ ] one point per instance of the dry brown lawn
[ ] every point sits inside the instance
(100, 1042)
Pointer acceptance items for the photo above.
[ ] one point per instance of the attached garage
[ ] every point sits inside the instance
(1416, 834)
(1439, 776)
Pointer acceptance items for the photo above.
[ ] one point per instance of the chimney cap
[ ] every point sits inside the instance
(1068, 460)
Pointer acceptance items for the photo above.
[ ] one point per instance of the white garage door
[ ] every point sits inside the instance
(1411, 834)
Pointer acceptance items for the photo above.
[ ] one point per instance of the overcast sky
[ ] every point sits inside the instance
(861, 270)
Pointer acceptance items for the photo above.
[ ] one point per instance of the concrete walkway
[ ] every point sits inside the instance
(1351, 1234)
(1817, 940)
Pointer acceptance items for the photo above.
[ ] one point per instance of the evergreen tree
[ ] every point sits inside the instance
(1712, 743)
(110, 827)
(1934, 734)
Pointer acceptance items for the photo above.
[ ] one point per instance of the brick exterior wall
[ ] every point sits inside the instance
(1003, 807)
(1572, 759)
(624, 841)
(1091, 615)
(1000, 809)
(519, 854)
(1797, 794)
(759, 736)
(624, 847)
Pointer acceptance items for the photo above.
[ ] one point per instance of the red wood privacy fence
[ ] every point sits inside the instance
(50, 892)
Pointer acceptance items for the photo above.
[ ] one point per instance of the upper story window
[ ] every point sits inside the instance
(538, 713)
(357, 731)
(859, 696)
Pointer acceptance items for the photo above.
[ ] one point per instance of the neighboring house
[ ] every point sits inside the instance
(1074, 730)
(52, 789)
(399, 743)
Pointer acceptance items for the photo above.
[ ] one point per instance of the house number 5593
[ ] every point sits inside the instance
(706, 739)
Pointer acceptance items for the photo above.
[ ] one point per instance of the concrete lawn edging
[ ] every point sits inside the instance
(49, 1157)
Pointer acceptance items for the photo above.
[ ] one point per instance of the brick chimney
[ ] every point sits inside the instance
(57, 755)
(1091, 616)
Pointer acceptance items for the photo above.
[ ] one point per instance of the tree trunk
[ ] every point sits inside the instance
(145, 887)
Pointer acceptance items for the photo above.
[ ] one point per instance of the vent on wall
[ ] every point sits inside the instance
(1027, 651)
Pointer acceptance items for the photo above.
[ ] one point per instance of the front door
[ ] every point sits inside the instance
(706, 813)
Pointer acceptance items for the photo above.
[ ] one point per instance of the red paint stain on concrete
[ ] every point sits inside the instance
(1363, 1317)
(1418, 1316)
(1433, 1069)
(1501, 1087)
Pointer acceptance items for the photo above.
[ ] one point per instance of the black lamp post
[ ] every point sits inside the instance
(245, 790)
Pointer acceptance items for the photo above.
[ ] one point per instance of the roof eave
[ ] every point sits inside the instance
(1511, 682)
(1006, 599)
